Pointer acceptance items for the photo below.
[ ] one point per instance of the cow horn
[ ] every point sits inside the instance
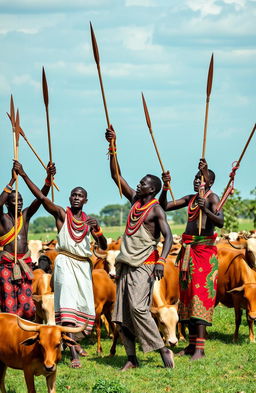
(32, 327)
(237, 289)
(70, 329)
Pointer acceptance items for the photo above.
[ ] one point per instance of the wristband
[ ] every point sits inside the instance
(48, 182)
(161, 261)
(166, 188)
(98, 233)
(8, 188)
(112, 151)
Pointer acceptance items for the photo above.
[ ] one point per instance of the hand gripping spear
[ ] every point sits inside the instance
(153, 139)
(97, 60)
(208, 93)
(15, 126)
(22, 133)
(230, 186)
(46, 101)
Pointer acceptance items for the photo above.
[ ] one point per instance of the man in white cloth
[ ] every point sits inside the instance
(73, 292)
(138, 264)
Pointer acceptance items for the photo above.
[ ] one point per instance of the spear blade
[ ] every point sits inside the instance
(17, 127)
(45, 88)
(146, 112)
(95, 46)
(12, 111)
(210, 78)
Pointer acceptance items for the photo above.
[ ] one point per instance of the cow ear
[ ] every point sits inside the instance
(68, 341)
(37, 298)
(236, 290)
(30, 340)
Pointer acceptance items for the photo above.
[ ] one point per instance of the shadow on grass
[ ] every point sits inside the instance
(227, 338)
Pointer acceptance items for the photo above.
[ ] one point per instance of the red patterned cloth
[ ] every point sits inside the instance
(16, 296)
(198, 265)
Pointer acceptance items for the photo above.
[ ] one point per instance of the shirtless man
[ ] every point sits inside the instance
(73, 293)
(138, 264)
(197, 261)
(16, 279)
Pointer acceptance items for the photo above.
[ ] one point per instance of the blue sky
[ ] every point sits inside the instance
(160, 47)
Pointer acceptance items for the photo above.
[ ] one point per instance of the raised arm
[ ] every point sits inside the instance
(127, 191)
(167, 244)
(6, 191)
(57, 211)
(168, 206)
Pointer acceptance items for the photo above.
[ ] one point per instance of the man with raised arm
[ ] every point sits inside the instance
(198, 263)
(139, 264)
(73, 293)
(16, 278)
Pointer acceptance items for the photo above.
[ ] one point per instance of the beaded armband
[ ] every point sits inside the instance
(98, 233)
(166, 188)
(160, 261)
(8, 188)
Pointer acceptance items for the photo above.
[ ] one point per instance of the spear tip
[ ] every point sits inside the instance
(45, 88)
(146, 112)
(210, 77)
(94, 46)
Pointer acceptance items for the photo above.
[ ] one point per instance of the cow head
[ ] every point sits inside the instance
(45, 307)
(49, 339)
(111, 259)
(248, 291)
(167, 319)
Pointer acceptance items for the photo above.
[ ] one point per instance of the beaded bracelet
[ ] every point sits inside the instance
(166, 188)
(48, 182)
(98, 233)
(160, 261)
(8, 188)
(111, 151)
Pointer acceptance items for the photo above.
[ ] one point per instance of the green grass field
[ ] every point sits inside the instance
(227, 367)
(115, 232)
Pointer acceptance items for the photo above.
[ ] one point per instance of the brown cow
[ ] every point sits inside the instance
(33, 348)
(104, 290)
(165, 303)
(237, 286)
(43, 297)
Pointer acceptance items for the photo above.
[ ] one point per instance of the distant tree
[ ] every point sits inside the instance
(179, 216)
(250, 207)
(233, 209)
(114, 215)
(42, 224)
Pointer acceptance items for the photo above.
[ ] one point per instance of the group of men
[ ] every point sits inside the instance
(137, 265)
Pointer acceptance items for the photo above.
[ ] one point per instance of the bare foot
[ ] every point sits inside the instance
(75, 363)
(167, 357)
(128, 365)
(199, 354)
(189, 350)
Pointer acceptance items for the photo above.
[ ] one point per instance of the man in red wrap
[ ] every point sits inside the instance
(16, 279)
(197, 261)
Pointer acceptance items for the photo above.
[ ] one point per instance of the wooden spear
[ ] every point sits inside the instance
(208, 93)
(237, 164)
(97, 60)
(154, 142)
(46, 101)
(22, 133)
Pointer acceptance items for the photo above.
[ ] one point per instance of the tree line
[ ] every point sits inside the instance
(116, 214)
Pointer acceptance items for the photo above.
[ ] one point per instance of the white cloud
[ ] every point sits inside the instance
(140, 3)
(4, 85)
(25, 79)
(213, 7)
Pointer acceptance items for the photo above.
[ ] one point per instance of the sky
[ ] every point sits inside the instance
(158, 47)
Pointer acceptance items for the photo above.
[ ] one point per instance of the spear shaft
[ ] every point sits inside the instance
(97, 60)
(46, 101)
(154, 142)
(208, 93)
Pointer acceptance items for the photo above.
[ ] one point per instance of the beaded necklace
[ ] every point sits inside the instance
(137, 216)
(74, 225)
(193, 208)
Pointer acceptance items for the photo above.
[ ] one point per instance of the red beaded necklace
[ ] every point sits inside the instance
(74, 225)
(193, 209)
(137, 216)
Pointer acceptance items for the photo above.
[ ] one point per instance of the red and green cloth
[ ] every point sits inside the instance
(198, 266)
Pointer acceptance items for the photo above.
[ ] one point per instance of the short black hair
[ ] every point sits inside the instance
(13, 192)
(80, 188)
(156, 183)
(211, 175)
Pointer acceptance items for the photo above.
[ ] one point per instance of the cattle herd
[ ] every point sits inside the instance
(20, 349)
